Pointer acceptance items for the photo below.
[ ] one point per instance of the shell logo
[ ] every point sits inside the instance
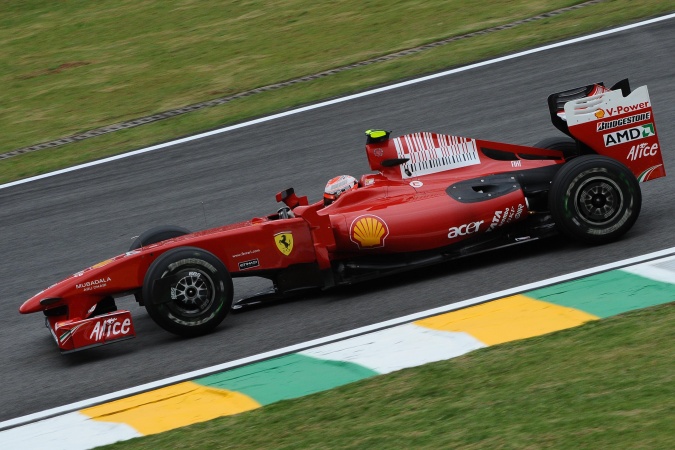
(368, 231)
(600, 114)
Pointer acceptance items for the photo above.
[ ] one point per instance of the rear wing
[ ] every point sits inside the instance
(613, 122)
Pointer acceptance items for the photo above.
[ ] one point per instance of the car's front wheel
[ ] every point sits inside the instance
(594, 199)
(157, 234)
(188, 291)
(153, 236)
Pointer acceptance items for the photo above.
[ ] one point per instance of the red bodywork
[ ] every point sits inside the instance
(428, 192)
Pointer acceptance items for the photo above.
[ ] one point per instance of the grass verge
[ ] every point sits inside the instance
(69, 67)
(606, 384)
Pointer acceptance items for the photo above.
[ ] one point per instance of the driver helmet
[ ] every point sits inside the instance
(337, 186)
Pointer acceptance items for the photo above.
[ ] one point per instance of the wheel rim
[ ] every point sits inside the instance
(599, 201)
(193, 293)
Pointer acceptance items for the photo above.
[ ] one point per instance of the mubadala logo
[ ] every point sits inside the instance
(463, 230)
(93, 284)
(629, 134)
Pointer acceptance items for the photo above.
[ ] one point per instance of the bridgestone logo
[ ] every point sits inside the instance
(192, 261)
(610, 124)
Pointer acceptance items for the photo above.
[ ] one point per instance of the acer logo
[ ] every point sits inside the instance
(463, 230)
(629, 134)
(626, 109)
(641, 151)
(110, 328)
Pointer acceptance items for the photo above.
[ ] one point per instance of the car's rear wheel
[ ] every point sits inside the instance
(594, 199)
(153, 236)
(566, 145)
(188, 291)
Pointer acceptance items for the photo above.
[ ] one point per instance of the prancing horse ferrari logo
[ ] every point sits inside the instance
(284, 241)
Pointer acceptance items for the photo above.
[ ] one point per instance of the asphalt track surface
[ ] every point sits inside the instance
(56, 226)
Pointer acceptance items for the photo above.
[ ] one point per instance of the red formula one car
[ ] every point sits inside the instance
(432, 198)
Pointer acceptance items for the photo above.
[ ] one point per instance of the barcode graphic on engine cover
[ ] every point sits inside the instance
(432, 153)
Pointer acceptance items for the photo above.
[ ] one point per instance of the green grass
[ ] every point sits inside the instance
(605, 385)
(68, 67)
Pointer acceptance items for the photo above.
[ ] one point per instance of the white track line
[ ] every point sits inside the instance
(303, 346)
(340, 100)
(328, 339)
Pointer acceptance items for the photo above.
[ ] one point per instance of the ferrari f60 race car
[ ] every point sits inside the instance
(432, 198)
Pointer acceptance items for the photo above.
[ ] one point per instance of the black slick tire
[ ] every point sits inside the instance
(188, 291)
(153, 236)
(594, 199)
(158, 234)
(566, 145)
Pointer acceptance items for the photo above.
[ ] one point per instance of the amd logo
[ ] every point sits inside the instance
(629, 134)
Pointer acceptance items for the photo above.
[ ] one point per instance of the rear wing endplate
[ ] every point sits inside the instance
(612, 122)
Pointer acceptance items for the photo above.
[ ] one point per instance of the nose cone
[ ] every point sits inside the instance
(32, 304)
